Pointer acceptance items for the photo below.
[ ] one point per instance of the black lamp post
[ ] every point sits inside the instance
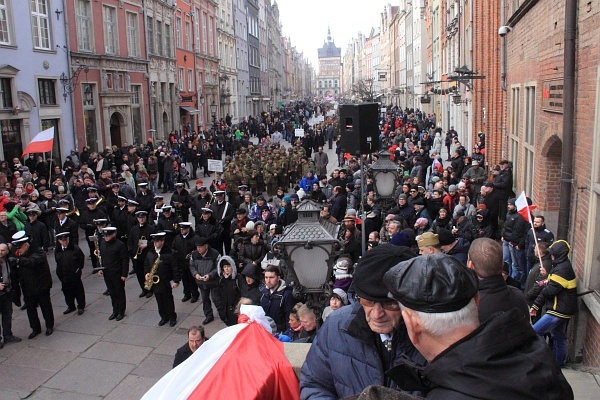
(385, 179)
(213, 112)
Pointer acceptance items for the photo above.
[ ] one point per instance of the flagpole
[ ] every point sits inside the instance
(50, 167)
(535, 239)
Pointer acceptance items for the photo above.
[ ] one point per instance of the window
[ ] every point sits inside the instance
(5, 93)
(178, 33)
(88, 94)
(89, 117)
(136, 113)
(163, 92)
(133, 44)
(159, 38)
(4, 23)
(204, 34)
(210, 37)
(150, 30)
(40, 23)
(136, 94)
(528, 143)
(83, 16)
(188, 42)
(181, 80)
(190, 80)
(110, 30)
(168, 51)
(47, 92)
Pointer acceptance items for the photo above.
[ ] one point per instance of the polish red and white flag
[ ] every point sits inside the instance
(523, 207)
(41, 143)
(240, 362)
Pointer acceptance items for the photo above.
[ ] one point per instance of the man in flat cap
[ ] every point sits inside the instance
(499, 359)
(358, 344)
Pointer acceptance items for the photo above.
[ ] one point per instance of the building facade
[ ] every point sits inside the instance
(33, 58)
(330, 73)
(228, 85)
(244, 100)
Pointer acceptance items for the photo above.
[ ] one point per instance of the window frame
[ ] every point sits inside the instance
(83, 23)
(6, 8)
(47, 92)
(38, 30)
(111, 29)
(133, 34)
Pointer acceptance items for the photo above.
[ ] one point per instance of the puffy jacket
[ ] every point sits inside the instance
(560, 295)
(503, 183)
(515, 229)
(343, 359)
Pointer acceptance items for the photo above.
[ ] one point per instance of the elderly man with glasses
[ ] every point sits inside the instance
(359, 344)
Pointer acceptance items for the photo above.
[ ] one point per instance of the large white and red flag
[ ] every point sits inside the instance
(41, 143)
(523, 207)
(240, 362)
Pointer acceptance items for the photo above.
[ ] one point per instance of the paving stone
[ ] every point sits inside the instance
(131, 388)
(143, 317)
(53, 394)
(124, 353)
(138, 335)
(45, 359)
(90, 377)
(65, 341)
(585, 385)
(90, 321)
(154, 366)
(8, 395)
(22, 379)
(170, 345)
(210, 329)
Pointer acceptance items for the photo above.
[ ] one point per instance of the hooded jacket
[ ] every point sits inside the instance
(502, 359)
(278, 304)
(253, 291)
(229, 291)
(560, 295)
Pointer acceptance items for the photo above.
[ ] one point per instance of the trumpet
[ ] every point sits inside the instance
(139, 250)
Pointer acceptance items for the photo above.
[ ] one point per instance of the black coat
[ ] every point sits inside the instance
(521, 362)
(146, 201)
(182, 354)
(68, 226)
(211, 230)
(86, 222)
(37, 232)
(338, 207)
(182, 202)
(182, 247)
(120, 220)
(167, 269)
(7, 231)
(515, 229)
(503, 183)
(136, 233)
(115, 260)
(496, 296)
(253, 291)
(69, 263)
(34, 272)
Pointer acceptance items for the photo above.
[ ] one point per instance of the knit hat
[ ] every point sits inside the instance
(249, 225)
(341, 294)
(368, 277)
(422, 221)
(445, 236)
(452, 188)
(343, 266)
(287, 199)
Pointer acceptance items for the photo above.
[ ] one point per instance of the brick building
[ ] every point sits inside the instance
(534, 139)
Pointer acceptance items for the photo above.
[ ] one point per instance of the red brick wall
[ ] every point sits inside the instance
(534, 54)
(487, 93)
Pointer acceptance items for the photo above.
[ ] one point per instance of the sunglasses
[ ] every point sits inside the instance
(386, 305)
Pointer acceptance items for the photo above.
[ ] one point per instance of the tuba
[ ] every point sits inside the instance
(153, 279)
(139, 250)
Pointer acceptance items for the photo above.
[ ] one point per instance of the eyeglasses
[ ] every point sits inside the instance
(413, 191)
(386, 305)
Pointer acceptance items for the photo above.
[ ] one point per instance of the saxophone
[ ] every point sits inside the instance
(153, 279)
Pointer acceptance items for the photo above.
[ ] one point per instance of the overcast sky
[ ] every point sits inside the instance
(305, 22)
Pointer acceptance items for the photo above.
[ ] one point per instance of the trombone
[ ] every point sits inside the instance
(139, 249)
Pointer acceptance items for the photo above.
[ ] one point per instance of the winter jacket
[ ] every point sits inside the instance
(205, 265)
(503, 183)
(460, 251)
(543, 235)
(496, 296)
(34, 272)
(560, 295)
(278, 304)
(252, 291)
(515, 229)
(228, 291)
(523, 367)
(343, 359)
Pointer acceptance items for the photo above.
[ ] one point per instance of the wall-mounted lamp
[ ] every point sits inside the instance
(58, 14)
(184, 57)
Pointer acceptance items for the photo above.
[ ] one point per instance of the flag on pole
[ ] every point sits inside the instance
(523, 207)
(41, 143)
(240, 362)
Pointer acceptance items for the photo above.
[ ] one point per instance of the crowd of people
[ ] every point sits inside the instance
(218, 239)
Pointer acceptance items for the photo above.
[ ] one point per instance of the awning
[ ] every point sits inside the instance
(191, 110)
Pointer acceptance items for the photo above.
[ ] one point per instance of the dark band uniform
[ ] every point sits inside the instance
(167, 271)
(184, 246)
(133, 240)
(115, 262)
(69, 263)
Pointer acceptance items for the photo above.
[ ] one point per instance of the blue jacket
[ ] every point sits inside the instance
(343, 359)
(278, 304)
(306, 183)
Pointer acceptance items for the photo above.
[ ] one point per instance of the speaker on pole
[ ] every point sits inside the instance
(359, 128)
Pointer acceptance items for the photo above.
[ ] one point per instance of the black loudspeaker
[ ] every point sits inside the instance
(359, 128)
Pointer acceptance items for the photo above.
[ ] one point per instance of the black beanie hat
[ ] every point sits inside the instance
(368, 275)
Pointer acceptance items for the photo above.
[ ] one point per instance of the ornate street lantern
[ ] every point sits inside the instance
(385, 178)
(309, 248)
